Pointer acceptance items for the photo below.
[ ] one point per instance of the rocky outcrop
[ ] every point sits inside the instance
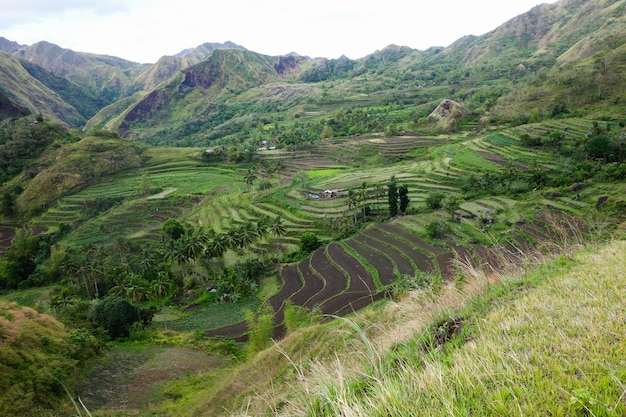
(446, 116)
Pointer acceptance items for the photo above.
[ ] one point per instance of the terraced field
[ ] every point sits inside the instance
(349, 274)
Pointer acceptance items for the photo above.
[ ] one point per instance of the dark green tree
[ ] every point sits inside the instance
(451, 204)
(309, 242)
(392, 196)
(173, 229)
(115, 315)
(403, 196)
(433, 200)
(278, 229)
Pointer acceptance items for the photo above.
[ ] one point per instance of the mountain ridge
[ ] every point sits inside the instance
(522, 50)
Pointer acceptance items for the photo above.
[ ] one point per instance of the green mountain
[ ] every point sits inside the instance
(25, 94)
(513, 74)
(106, 76)
(437, 198)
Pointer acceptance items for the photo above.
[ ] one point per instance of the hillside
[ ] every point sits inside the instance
(38, 357)
(556, 59)
(244, 234)
(486, 346)
(23, 94)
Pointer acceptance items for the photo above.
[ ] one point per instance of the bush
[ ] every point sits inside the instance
(437, 230)
(309, 242)
(115, 315)
(434, 200)
(261, 329)
(298, 316)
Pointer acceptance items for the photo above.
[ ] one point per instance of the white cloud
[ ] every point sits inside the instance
(144, 30)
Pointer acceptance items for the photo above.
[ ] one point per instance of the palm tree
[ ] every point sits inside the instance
(219, 246)
(352, 202)
(247, 235)
(362, 195)
(192, 247)
(278, 229)
(233, 237)
(160, 289)
(250, 177)
(262, 228)
(378, 193)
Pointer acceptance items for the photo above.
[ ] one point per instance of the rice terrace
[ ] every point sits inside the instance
(223, 232)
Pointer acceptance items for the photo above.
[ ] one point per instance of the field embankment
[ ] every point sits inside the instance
(549, 341)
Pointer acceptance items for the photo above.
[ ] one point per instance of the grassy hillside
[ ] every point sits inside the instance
(539, 340)
(38, 358)
(286, 192)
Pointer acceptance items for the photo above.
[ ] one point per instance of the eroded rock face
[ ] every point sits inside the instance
(287, 64)
(446, 115)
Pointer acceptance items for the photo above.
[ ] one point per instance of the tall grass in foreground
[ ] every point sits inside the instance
(549, 342)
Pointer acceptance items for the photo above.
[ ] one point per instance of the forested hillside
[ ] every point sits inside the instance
(224, 223)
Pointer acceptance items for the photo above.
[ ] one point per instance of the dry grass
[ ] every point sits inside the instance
(557, 347)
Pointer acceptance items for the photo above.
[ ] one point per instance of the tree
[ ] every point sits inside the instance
(352, 203)
(309, 242)
(378, 194)
(403, 195)
(247, 235)
(301, 177)
(278, 229)
(173, 229)
(115, 315)
(362, 195)
(601, 147)
(392, 196)
(260, 328)
(161, 288)
(433, 200)
(451, 204)
(250, 177)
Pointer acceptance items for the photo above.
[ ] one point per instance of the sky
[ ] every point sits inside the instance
(144, 30)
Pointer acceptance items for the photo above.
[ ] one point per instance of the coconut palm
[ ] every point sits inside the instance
(362, 195)
(250, 177)
(277, 229)
(352, 203)
(262, 228)
(247, 235)
(161, 288)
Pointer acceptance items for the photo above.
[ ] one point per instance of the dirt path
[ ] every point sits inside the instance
(132, 378)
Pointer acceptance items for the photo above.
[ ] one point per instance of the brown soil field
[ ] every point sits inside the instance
(361, 282)
(336, 281)
(312, 283)
(423, 262)
(387, 271)
(131, 380)
(399, 259)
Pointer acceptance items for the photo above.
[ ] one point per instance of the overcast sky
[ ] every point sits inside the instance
(144, 30)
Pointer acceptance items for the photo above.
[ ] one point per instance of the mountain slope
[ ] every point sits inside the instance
(108, 77)
(194, 98)
(514, 73)
(26, 92)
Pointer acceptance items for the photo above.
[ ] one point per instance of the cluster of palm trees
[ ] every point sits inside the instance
(203, 247)
(359, 198)
(141, 274)
(265, 169)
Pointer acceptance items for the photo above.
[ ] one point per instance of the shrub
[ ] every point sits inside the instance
(261, 329)
(434, 200)
(298, 316)
(437, 229)
(115, 315)
(309, 242)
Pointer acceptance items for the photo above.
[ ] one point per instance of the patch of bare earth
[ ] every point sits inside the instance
(132, 380)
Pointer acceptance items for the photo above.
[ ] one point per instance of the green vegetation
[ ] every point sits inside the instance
(288, 191)
(38, 359)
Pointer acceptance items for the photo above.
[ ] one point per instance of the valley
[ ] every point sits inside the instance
(229, 233)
